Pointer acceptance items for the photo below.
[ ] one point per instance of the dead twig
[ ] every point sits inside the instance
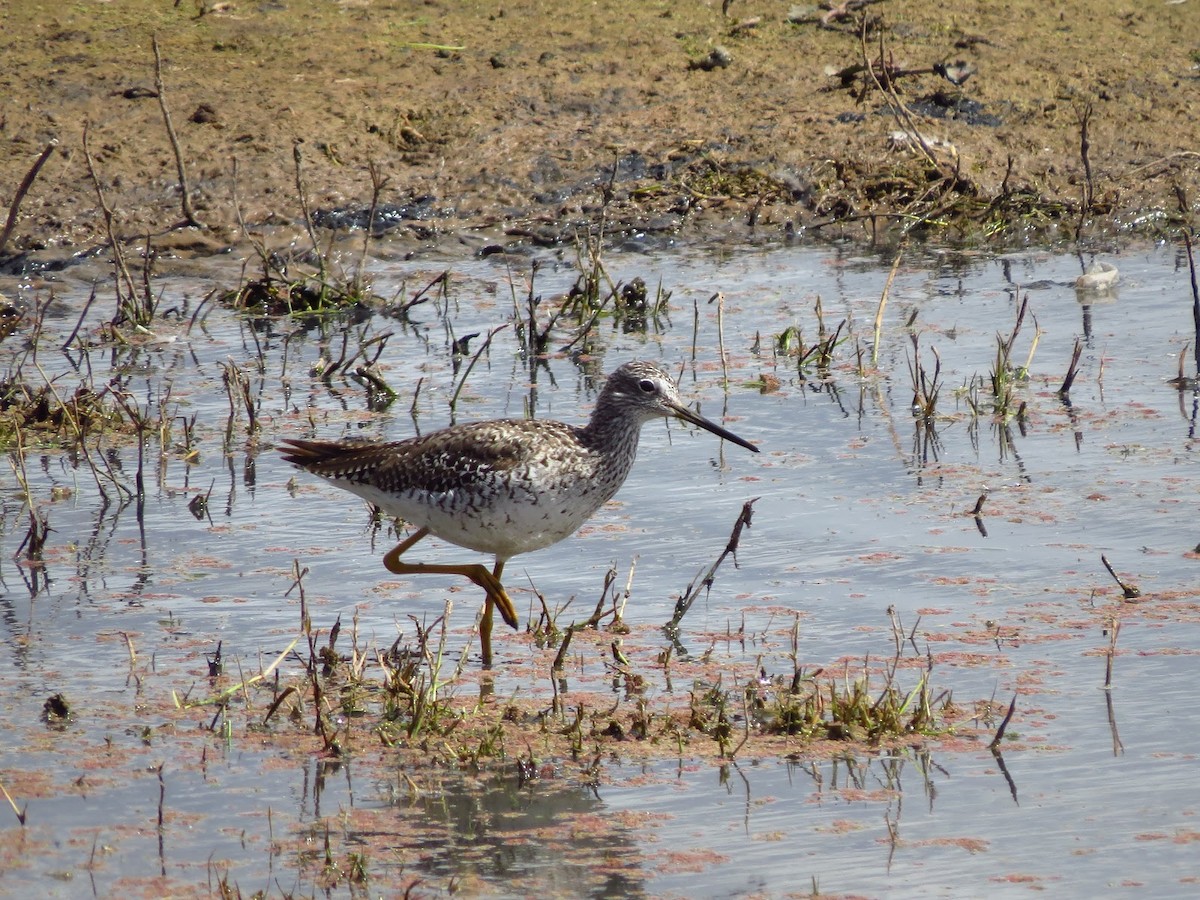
(20, 813)
(306, 209)
(14, 208)
(684, 603)
(1012, 708)
(1084, 115)
(478, 353)
(1131, 591)
(378, 183)
(1187, 243)
(1114, 629)
(114, 244)
(899, 111)
(883, 299)
(561, 655)
(189, 214)
(1072, 369)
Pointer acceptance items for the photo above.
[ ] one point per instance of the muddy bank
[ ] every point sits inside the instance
(526, 120)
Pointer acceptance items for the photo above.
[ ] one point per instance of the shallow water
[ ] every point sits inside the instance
(859, 510)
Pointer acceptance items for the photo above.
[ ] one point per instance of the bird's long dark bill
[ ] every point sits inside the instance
(695, 418)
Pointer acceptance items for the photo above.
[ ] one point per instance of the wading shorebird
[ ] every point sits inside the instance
(506, 486)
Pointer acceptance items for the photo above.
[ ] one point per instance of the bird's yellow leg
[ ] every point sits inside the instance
(485, 621)
(489, 581)
(391, 559)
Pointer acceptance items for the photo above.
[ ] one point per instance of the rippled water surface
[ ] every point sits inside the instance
(861, 509)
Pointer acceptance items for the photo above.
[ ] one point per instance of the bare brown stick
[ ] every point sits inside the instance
(695, 327)
(1181, 381)
(1131, 591)
(412, 409)
(304, 208)
(610, 578)
(1114, 629)
(747, 718)
(1085, 146)
(883, 299)
(1072, 369)
(20, 813)
(478, 353)
(79, 324)
(1021, 310)
(560, 657)
(378, 183)
(1187, 243)
(719, 297)
(1118, 747)
(899, 111)
(283, 695)
(259, 247)
(684, 603)
(189, 214)
(420, 296)
(1012, 708)
(23, 189)
(118, 256)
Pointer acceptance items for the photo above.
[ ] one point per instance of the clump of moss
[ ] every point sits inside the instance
(45, 417)
(273, 296)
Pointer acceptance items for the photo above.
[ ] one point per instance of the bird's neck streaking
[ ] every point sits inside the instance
(613, 433)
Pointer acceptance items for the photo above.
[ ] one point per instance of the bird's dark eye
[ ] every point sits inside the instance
(647, 386)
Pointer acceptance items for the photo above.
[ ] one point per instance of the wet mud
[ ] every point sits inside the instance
(530, 122)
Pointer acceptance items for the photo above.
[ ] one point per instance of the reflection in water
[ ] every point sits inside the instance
(857, 514)
(1008, 447)
(1118, 747)
(999, 757)
(845, 813)
(522, 830)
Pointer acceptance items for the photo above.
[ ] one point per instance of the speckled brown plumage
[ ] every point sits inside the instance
(505, 486)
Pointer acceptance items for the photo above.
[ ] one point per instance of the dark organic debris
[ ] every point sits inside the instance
(388, 216)
(10, 317)
(56, 708)
(283, 297)
(49, 415)
(1128, 589)
(204, 114)
(718, 58)
(940, 105)
(138, 93)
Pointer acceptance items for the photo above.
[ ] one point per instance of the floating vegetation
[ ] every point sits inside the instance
(712, 179)
(816, 357)
(43, 417)
(412, 696)
(274, 294)
(10, 317)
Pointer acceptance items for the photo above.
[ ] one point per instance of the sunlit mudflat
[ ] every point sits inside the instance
(862, 539)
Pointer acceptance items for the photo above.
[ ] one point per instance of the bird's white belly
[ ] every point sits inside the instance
(516, 521)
